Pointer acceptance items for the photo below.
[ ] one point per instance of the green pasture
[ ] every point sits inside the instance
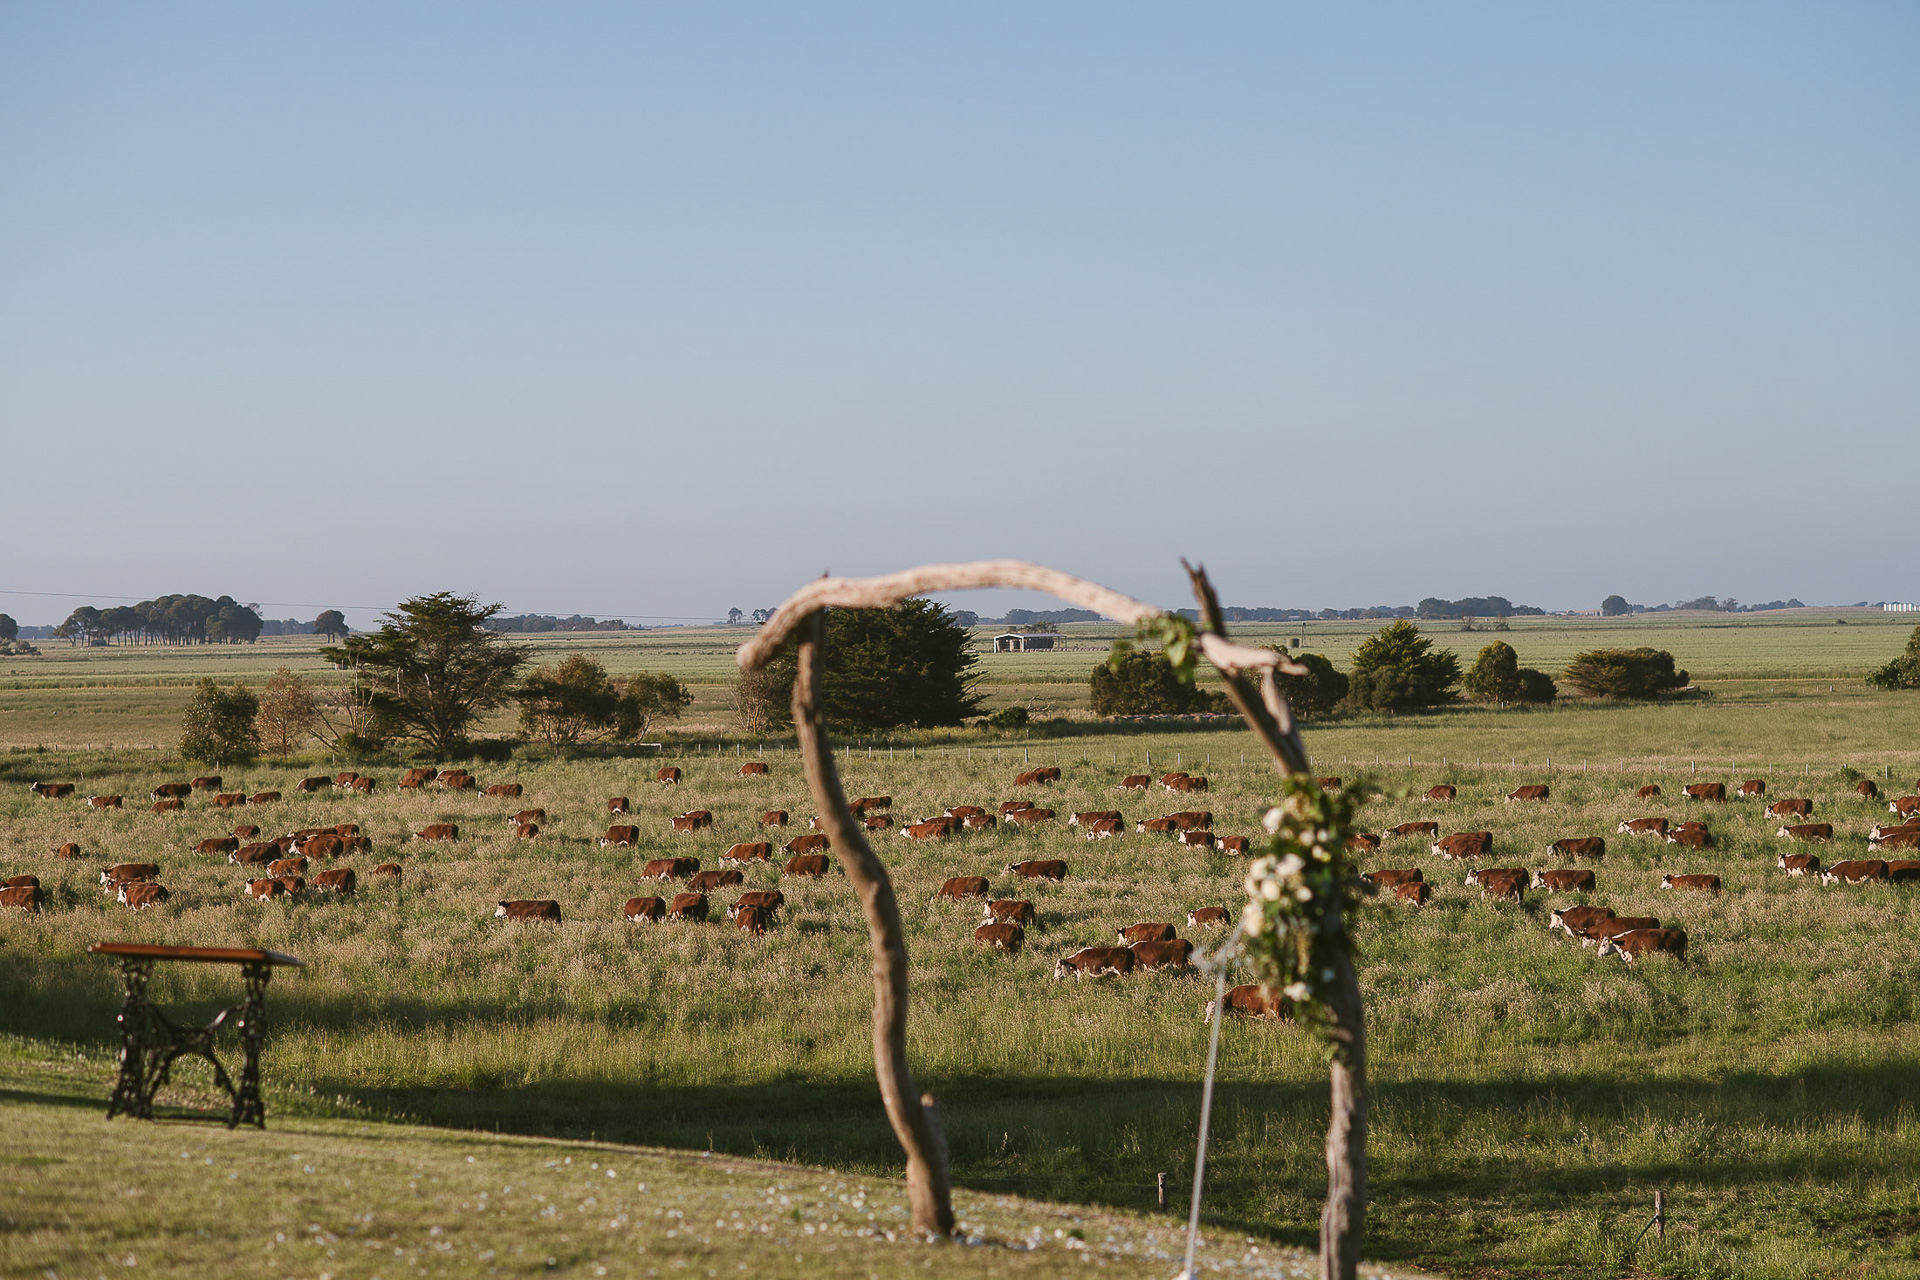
(1529, 1098)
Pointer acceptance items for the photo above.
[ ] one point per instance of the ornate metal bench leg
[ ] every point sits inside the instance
(130, 1092)
(247, 1107)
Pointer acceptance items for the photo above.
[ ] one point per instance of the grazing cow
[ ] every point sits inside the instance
(528, 909)
(1030, 817)
(1797, 865)
(439, 831)
(1649, 792)
(1904, 871)
(1894, 838)
(1867, 789)
(121, 872)
(1091, 816)
(459, 780)
(24, 897)
(1752, 787)
(1048, 869)
(708, 881)
(1534, 791)
(1136, 782)
(1250, 1000)
(413, 779)
(1577, 920)
(292, 884)
(1712, 791)
(165, 791)
(1444, 791)
(346, 830)
(1393, 877)
(1690, 838)
(884, 822)
(339, 880)
(645, 910)
(1005, 936)
(363, 785)
(1641, 942)
(1579, 847)
(1501, 882)
(307, 786)
(758, 851)
(1197, 839)
(1166, 779)
(326, 845)
(1790, 808)
(774, 818)
(526, 816)
(670, 775)
(1905, 806)
(1643, 827)
(671, 869)
(694, 820)
(218, 844)
(20, 882)
(262, 890)
(753, 769)
(1014, 806)
(67, 850)
(227, 800)
(816, 823)
(1328, 784)
(1856, 871)
(1048, 774)
(1176, 953)
(1158, 826)
(1011, 910)
(931, 829)
(1416, 893)
(103, 802)
(617, 805)
(1193, 784)
(135, 894)
(264, 797)
(1464, 844)
(964, 811)
(357, 844)
(960, 887)
(1031, 778)
(526, 830)
(505, 790)
(806, 844)
(51, 790)
(246, 831)
(1095, 962)
(753, 920)
(1568, 881)
(287, 867)
(1614, 927)
(768, 900)
(972, 822)
(1207, 917)
(1703, 884)
(871, 804)
(812, 864)
(1147, 931)
(1239, 846)
(308, 833)
(687, 906)
(388, 869)
(254, 855)
(168, 806)
(345, 780)
(1362, 842)
(1413, 829)
(206, 782)
(1189, 819)
(1809, 832)
(621, 837)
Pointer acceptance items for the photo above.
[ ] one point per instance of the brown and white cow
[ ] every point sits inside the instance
(457, 780)
(528, 909)
(1095, 962)
(1136, 782)
(20, 882)
(245, 831)
(103, 802)
(1791, 808)
(1643, 827)
(620, 837)
(807, 844)
(505, 790)
(757, 851)
(1644, 942)
(932, 829)
(1464, 844)
(687, 906)
(391, 869)
(1413, 829)
(750, 920)
(325, 845)
(1752, 787)
(1157, 826)
(1417, 893)
(1690, 838)
(1614, 927)
(754, 769)
(1905, 871)
(264, 890)
(972, 822)
(1444, 791)
(1194, 784)
(122, 872)
(1038, 869)
(1014, 806)
(644, 910)
(960, 887)
(1579, 847)
(1207, 917)
(363, 786)
(774, 818)
(68, 850)
(1564, 881)
(346, 830)
(1797, 865)
(1394, 877)
(436, 831)
(165, 791)
(1867, 789)
(287, 867)
(307, 786)
(667, 774)
(618, 805)
(964, 811)
(344, 780)
(1715, 792)
(1905, 806)
(1893, 838)
(23, 897)
(768, 900)
(225, 800)
(1090, 817)
(1501, 882)
(1009, 910)
(1855, 871)
(218, 844)
(414, 779)
(264, 797)
(708, 881)
(1191, 819)
(1577, 920)
(1649, 792)
(1004, 935)
(258, 854)
(871, 804)
(670, 869)
(1698, 883)
(1197, 839)
(1239, 846)
(526, 831)
(1147, 931)
(1250, 1000)
(1030, 817)
(1174, 953)
(527, 815)
(1533, 791)
(135, 894)
(1806, 832)
(340, 880)
(809, 864)
(1362, 842)
(206, 782)
(692, 820)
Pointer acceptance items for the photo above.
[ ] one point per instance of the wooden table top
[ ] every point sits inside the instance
(205, 955)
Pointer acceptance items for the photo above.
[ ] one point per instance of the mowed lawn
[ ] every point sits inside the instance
(1530, 1098)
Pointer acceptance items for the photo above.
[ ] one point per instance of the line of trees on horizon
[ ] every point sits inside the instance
(184, 619)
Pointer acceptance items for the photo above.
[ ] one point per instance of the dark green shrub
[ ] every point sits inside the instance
(218, 725)
(1138, 683)
(1398, 669)
(1624, 673)
(1318, 692)
(1904, 671)
(1008, 718)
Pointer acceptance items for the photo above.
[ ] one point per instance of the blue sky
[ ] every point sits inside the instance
(663, 310)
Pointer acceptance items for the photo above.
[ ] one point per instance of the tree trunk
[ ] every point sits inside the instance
(915, 1122)
(1343, 1222)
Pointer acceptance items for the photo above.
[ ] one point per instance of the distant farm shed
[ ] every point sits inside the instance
(1023, 642)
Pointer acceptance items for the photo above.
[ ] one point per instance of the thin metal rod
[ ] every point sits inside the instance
(1206, 1118)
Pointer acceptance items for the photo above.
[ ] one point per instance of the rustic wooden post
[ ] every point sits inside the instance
(914, 1120)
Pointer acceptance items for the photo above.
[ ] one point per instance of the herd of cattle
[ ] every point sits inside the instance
(1141, 946)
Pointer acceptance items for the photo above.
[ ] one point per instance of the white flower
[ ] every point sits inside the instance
(1272, 821)
(1303, 894)
(1253, 919)
(1289, 867)
(1299, 807)
(1298, 992)
(1270, 890)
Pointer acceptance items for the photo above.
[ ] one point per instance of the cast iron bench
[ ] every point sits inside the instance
(150, 1041)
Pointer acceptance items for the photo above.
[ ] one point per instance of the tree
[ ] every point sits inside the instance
(218, 725)
(734, 616)
(433, 669)
(1624, 673)
(1139, 683)
(288, 714)
(1318, 692)
(332, 624)
(646, 697)
(1497, 676)
(1904, 671)
(761, 700)
(1614, 607)
(1397, 669)
(9, 629)
(760, 615)
(912, 665)
(562, 704)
